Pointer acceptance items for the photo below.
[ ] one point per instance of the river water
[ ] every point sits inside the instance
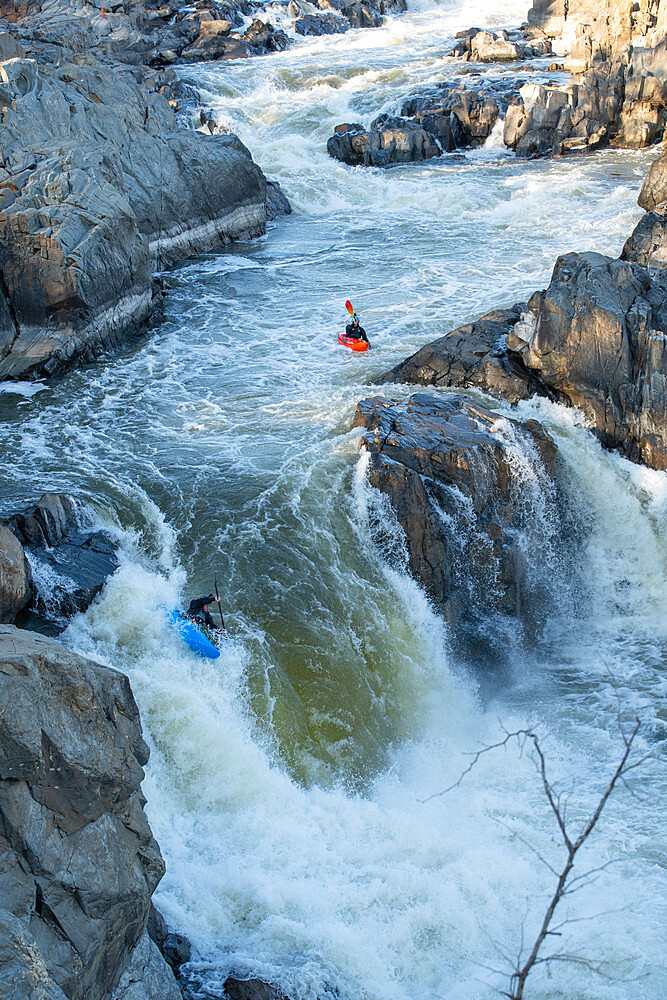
(288, 780)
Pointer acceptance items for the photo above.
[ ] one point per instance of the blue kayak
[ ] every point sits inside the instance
(192, 636)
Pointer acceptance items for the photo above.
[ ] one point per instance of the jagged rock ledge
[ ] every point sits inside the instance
(98, 185)
(448, 469)
(596, 339)
(53, 533)
(79, 862)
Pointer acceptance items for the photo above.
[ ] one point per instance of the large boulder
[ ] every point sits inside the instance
(78, 861)
(450, 471)
(455, 116)
(647, 245)
(654, 189)
(474, 354)
(389, 141)
(595, 339)
(16, 590)
(97, 187)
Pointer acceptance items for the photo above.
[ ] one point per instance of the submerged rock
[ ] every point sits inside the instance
(79, 861)
(449, 469)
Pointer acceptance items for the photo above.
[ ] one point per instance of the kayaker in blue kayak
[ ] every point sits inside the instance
(198, 612)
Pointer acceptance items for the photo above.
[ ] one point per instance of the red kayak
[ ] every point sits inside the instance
(352, 342)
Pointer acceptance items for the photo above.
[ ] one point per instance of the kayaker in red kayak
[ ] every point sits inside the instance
(356, 331)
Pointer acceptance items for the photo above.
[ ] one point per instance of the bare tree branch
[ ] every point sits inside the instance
(566, 883)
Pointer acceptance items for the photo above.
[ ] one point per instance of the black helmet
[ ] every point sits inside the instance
(198, 603)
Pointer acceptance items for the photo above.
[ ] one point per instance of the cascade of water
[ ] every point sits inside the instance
(285, 780)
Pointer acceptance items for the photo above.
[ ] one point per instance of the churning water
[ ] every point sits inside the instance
(288, 779)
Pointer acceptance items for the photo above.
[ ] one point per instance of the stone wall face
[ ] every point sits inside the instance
(78, 861)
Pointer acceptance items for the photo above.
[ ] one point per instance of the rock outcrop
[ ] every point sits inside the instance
(444, 119)
(16, 589)
(451, 473)
(595, 339)
(74, 560)
(78, 861)
(619, 95)
(473, 355)
(653, 194)
(476, 45)
(97, 186)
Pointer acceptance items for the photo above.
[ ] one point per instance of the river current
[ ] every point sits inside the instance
(288, 780)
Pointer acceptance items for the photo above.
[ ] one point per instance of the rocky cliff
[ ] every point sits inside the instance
(98, 186)
(78, 861)
(596, 338)
(461, 480)
(618, 53)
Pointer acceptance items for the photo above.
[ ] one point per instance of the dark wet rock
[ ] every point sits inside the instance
(46, 524)
(321, 24)
(251, 989)
(176, 950)
(79, 861)
(456, 117)
(16, 589)
(349, 143)
(648, 243)
(389, 141)
(473, 355)
(214, 47)
(441, 119)
(74, 562)
(262, 37)
(156, 926)
(448, 468)
(363, 15)
(276, 202)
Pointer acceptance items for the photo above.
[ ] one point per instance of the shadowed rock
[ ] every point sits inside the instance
(472, 355)
(648, 243)
(77, 561)
(16, 591)
(595, 339)
(79, 862)
(449, 470)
